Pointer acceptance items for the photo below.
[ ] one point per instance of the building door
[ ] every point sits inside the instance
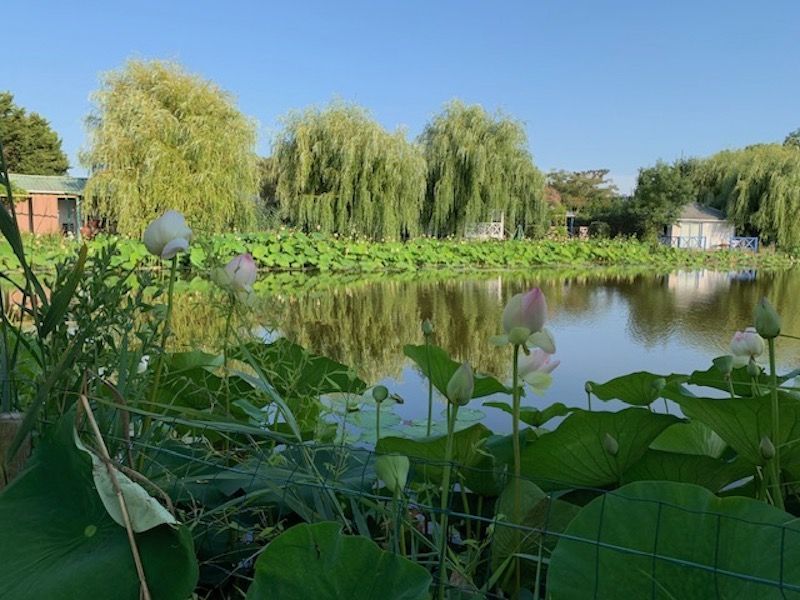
(68, 215)
(693, 232)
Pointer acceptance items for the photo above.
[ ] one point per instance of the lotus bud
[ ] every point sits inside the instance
(427, 327)
(527, 310)
(610, 445)
(392, 469)
(168, 235)
(588, 387)
(724, 364)
(767, 448)
(380, 393)
(658, 386)
(238, 275)
(753, 369)
(747, 343)
(461, 385)
(768, 322)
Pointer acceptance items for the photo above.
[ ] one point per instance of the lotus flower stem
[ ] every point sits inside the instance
(443, 525)
(775, 463)
(516, 396)
(164, 337)
(430, 384)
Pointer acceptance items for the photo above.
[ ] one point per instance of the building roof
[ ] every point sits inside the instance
(696, 212)
(49, 184)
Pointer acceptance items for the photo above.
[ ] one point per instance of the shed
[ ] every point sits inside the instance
(700, 227)
(49, 204)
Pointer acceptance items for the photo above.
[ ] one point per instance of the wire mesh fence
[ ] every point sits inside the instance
(613, 543)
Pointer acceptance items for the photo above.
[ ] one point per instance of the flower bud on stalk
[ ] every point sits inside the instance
(768, 322)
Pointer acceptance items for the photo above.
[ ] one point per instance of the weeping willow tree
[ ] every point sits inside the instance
(759, 188)
(336, 170)
(161, 138)
(478, 165)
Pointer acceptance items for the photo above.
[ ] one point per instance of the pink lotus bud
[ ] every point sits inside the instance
(168, 235)
(238, 275)
(528, 310)
(747, 343)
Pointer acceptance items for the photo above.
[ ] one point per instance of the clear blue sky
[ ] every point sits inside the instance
(598, 84)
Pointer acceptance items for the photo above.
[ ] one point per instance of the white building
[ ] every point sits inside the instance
(700, 227)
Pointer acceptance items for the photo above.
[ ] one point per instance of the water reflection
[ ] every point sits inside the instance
(606, 322)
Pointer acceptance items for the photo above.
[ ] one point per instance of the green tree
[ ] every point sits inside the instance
(479, 164)
(661, 191)
(581, 191)
(759, 188)
(161, 139)
(793, 139)
(29, 144)
(336, 170)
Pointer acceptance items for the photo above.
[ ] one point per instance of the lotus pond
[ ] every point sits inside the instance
(174, 440)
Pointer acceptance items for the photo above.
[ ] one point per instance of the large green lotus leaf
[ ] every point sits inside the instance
(573, 454)
(534, 416)
(57, 541)
(704, 547)
(711, 473)
(539, 512)
(693, 437)
(318, 561)
(476, 464)
(740, 380)
(293, 371)
(743, 422)
(436, 365)
(637, 389)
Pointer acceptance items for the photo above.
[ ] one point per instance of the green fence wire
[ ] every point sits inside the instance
(250, 482)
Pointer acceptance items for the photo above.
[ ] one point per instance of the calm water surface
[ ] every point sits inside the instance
(606, 323)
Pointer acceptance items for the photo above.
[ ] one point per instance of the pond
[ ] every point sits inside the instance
(606, 323)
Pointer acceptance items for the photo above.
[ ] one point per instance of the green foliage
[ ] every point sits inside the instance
(661, 191)
(292, 251)
(583, 190)
(161, 139)
(337, 170)
(318, 561)
(759, 188)
(574, 454)
(702, 539)
(479, 164)
(53, 515)
(30, 145)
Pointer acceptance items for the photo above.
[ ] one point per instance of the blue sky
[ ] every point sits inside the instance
(612, 85)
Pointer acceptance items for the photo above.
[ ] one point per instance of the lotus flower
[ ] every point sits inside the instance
(168, 235)
(238, 275)
(746, 345)
(536, 368)
(523, 316)
(528, 310)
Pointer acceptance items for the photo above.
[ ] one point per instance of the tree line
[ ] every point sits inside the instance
(159, 138)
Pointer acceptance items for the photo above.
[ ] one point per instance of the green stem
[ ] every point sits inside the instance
(589, 400)
(775, 463)
(378, 424)
(517, 396)
(225, 354)
(164, 337)
(443, 524)
(430, 384)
